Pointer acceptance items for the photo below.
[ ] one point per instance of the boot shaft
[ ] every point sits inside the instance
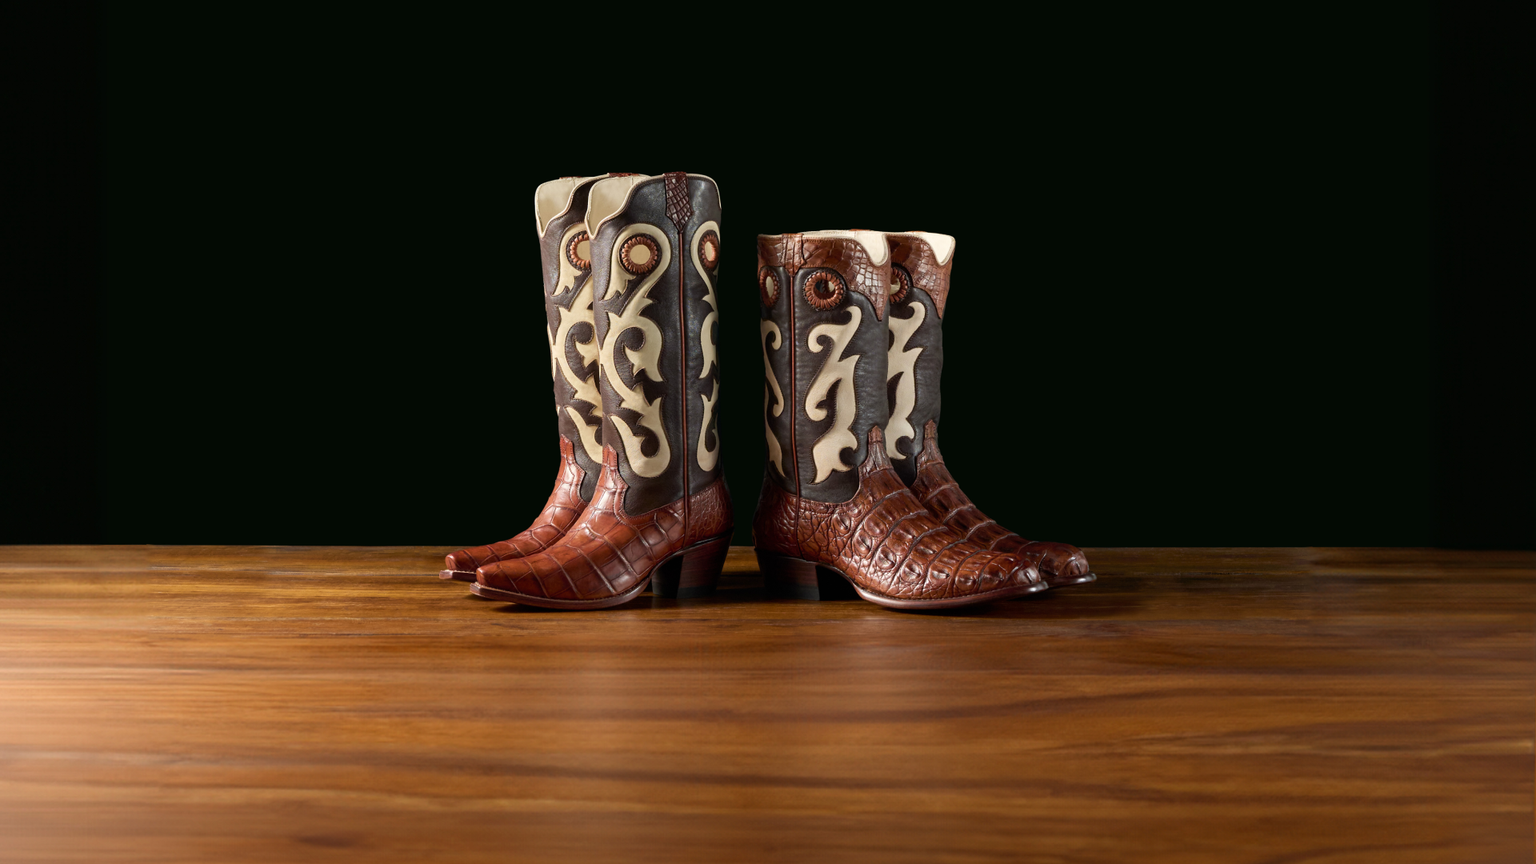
(560, 208)
(920, 266)
(824, 297)
(655, 254)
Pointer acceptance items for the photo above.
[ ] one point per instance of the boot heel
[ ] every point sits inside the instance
(695, 573)
(784, 576)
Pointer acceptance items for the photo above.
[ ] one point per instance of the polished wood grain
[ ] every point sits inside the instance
(342, 704)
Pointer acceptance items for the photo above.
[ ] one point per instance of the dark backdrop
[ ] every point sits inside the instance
(276, 280)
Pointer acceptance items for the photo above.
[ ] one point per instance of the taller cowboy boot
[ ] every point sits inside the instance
(661, 514)
(831, 505)
(920, 266)
(560, 208)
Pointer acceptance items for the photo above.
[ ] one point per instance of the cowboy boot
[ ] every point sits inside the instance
(833, 513)
(661, 514)
(560, 208)
(920, 266)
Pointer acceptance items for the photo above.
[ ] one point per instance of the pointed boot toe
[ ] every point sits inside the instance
(460, 566)
(565, 250)
(1062, 564)
(1011, 573)
(515, 580)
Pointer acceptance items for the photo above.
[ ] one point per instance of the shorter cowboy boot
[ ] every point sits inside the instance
(920, 266)
(833, 512)
(560, 208)
(661, 515)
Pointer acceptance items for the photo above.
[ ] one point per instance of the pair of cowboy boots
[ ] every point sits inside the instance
(855, 491)
(640, 499)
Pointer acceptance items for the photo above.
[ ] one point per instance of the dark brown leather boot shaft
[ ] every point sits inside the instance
(662, 515)
(824, 301)
(656, 247)
(919, 289)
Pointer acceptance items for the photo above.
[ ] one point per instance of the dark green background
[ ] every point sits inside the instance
(1202, 295)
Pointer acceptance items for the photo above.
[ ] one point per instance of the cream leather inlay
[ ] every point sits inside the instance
(568, 272)
(709, 458)
(609, 197)
(902, 361)
(646, 359)
(585, 388)
(554, 198)
(706, 336)
(827, 451)
(773, 337)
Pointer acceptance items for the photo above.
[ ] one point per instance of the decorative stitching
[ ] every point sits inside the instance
(573, 256)
(825, 298)
(644, 267)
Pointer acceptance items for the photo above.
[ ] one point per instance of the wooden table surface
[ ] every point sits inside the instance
(231, 704)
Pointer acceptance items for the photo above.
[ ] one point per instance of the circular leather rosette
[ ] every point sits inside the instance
(825, 290)
(580, 243)
(901, 285)
(639, 255)
(767, 286)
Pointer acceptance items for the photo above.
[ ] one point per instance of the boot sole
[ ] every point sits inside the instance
(787, 576)
(686, 573)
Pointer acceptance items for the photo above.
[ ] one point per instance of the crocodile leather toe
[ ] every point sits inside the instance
(607, 557)
(564, 507)
(1059, 563)
(892, 548)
